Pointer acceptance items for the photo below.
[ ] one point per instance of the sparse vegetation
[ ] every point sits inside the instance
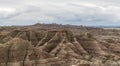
(53, 44)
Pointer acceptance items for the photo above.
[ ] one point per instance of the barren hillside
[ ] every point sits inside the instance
(59, 45)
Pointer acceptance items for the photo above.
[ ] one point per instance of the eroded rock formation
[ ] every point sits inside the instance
(34, 48)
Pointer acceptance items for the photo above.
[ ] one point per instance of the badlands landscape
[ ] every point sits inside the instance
(59, 45)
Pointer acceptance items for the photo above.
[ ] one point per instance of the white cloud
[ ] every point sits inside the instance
(61, 11)
(7, 10)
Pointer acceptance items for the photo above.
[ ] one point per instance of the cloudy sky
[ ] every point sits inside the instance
(76, 12)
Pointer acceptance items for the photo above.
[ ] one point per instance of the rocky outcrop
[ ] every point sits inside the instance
(30, 35)
(27, 47)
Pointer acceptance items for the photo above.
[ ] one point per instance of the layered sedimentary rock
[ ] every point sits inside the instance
(29, 47)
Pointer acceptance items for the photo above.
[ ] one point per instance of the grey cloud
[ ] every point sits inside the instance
(61, 11)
